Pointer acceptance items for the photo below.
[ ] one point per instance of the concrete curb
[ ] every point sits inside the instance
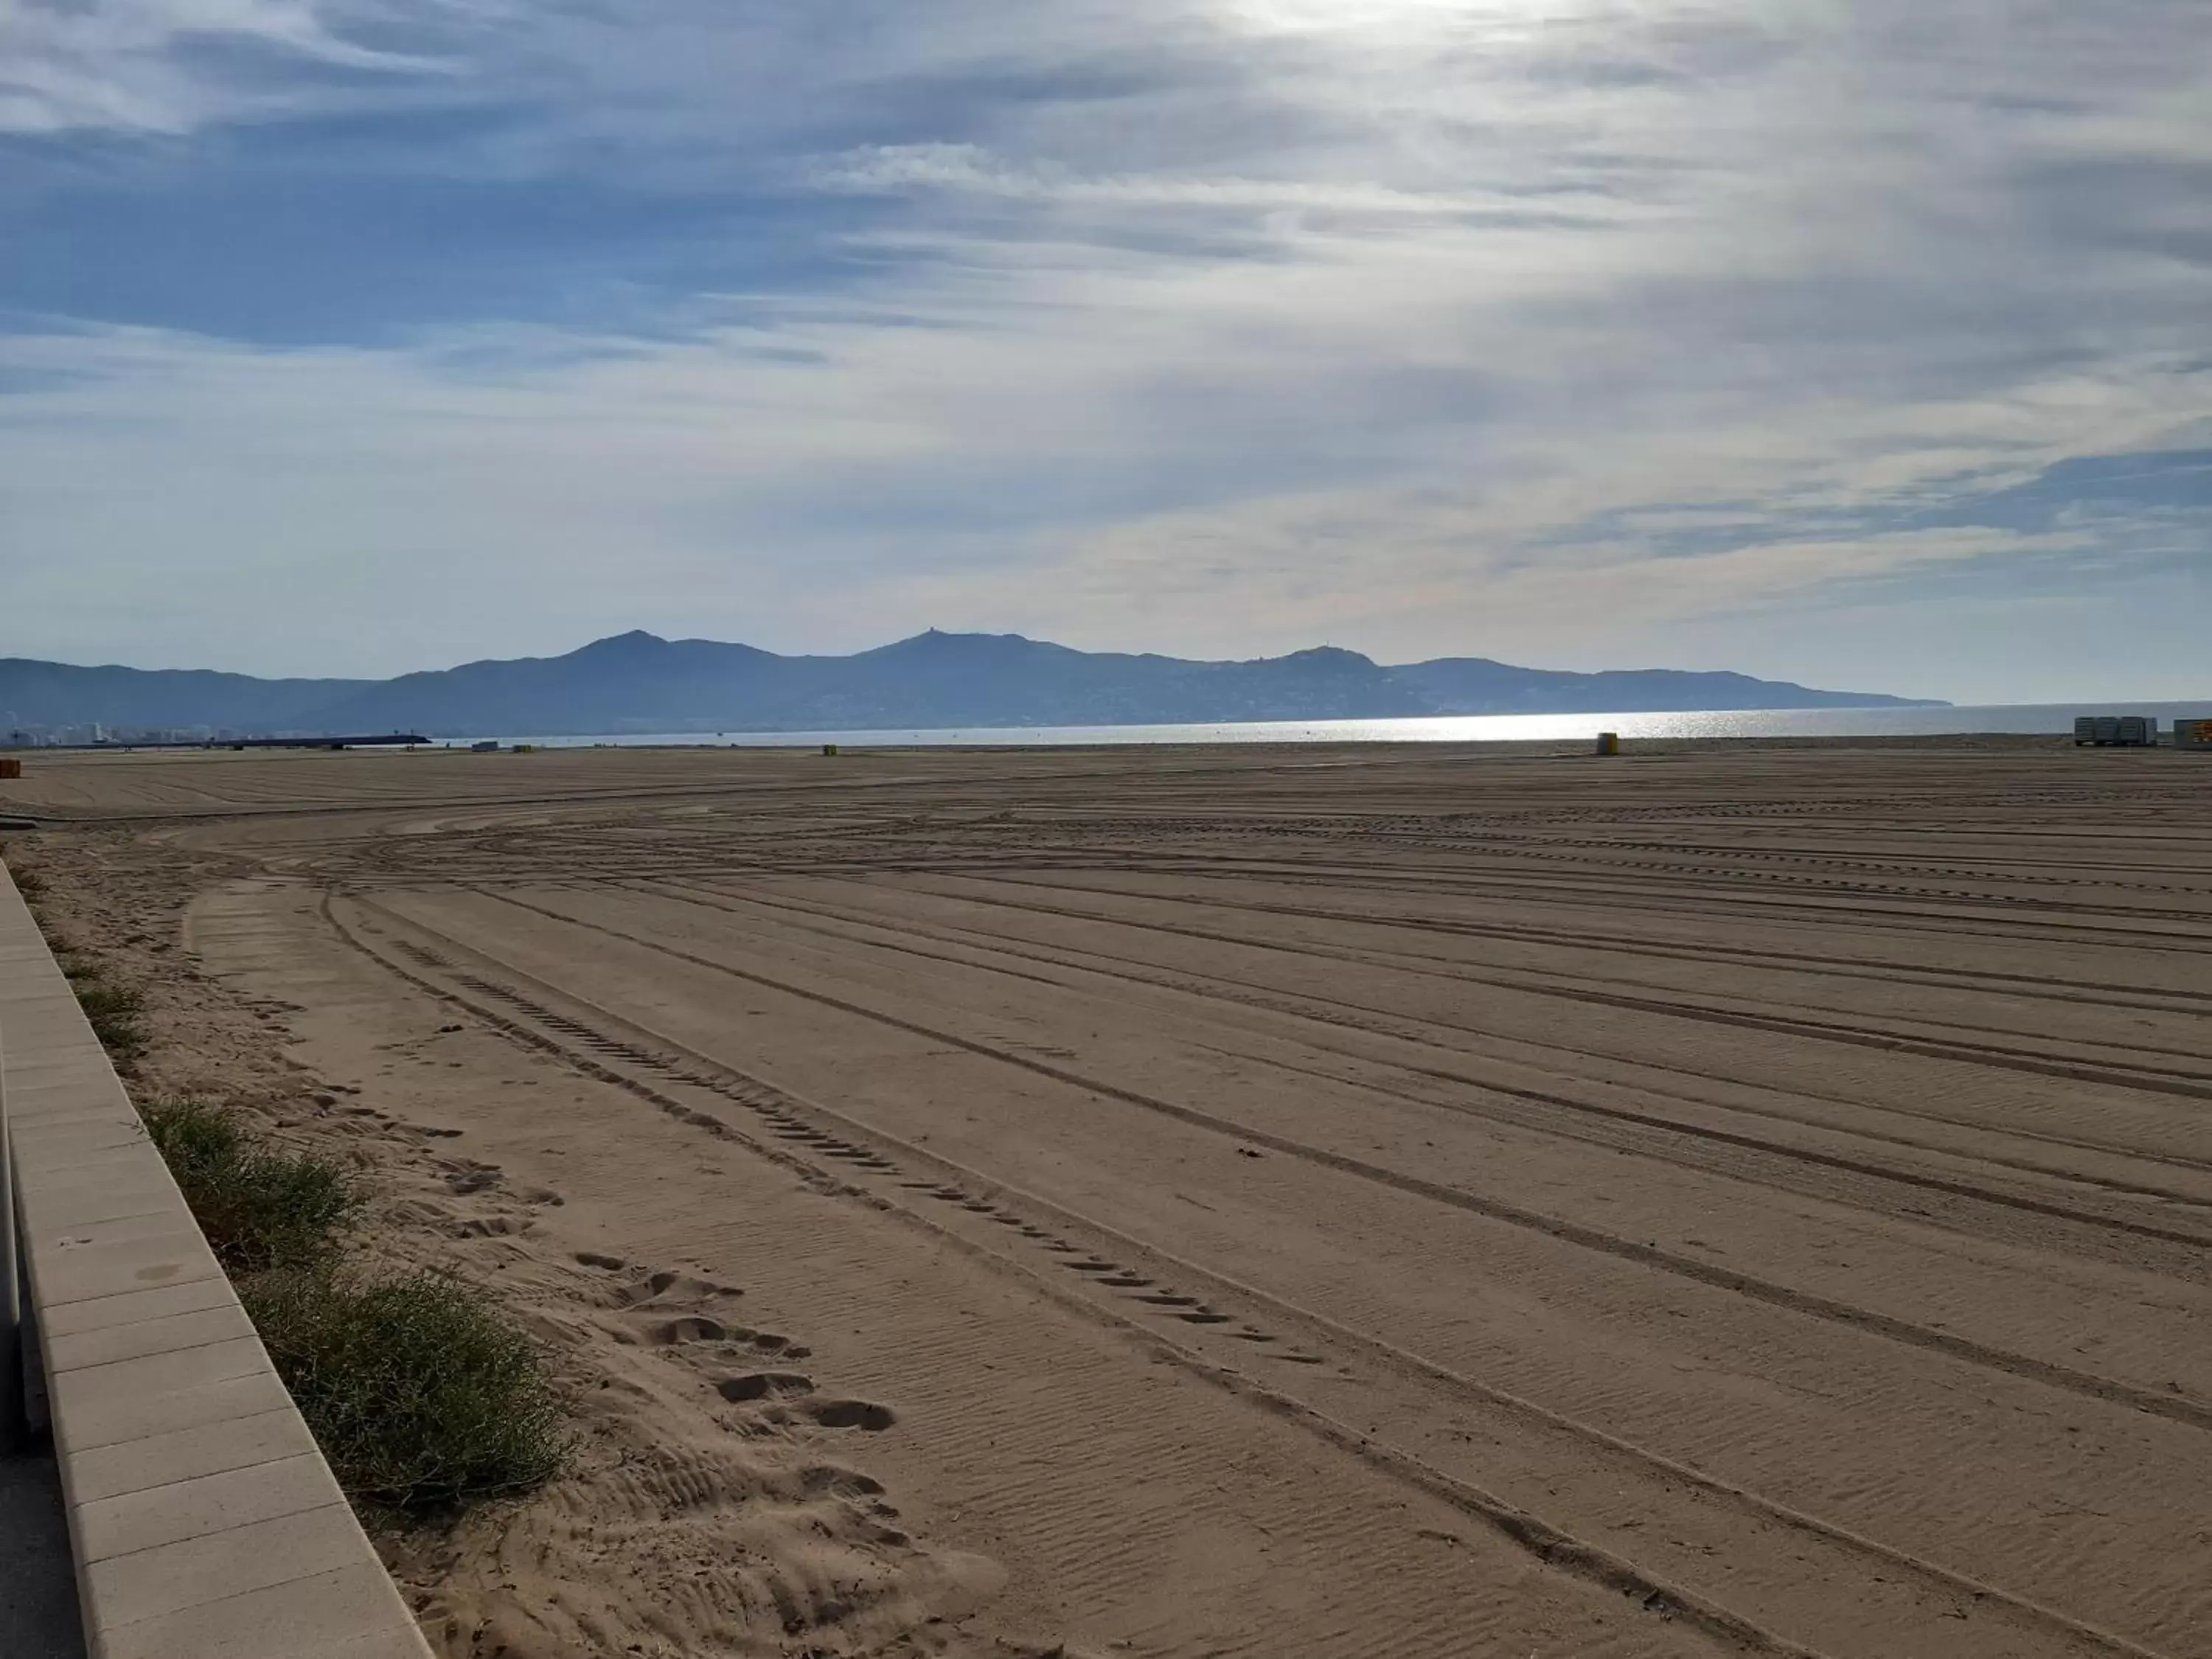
(205, 1522)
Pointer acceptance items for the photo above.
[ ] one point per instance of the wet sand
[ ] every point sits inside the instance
(1315, 1201)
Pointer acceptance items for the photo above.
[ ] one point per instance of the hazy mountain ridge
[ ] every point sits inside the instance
(34, 693)
(638, 682)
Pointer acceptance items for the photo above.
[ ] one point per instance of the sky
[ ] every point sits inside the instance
(1862, 342)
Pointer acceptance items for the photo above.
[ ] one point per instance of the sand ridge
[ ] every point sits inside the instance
(1318, 1201)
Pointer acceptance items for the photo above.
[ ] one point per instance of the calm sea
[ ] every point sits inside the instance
(2023, 718)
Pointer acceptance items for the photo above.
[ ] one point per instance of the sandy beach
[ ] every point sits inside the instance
(1319, 1201)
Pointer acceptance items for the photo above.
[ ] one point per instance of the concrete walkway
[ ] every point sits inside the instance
(204, 1521)
(38, 1581)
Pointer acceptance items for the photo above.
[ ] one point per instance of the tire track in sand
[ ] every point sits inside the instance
(1545, 1542)
(2174, 1409)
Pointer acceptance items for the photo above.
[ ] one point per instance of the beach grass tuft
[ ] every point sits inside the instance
(260, 1209)
(114, 1010)
(422, 1393)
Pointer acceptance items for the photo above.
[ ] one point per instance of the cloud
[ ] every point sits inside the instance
(170, 66)
(897, 169)
(1561, 326)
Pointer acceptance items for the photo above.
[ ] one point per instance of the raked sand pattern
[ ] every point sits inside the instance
(1326, 1202)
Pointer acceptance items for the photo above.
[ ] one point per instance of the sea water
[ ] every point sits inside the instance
(2023, 719)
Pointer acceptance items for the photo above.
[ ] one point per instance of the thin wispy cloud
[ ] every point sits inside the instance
(173, 66)
(1721, 334)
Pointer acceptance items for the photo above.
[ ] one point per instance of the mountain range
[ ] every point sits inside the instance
(638, 682)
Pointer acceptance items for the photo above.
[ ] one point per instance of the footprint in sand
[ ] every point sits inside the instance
(692, 1328)
(467, 1175)
(841, 1483)
(763, 1385)
(673, 1290)
(849, 1415)
(493, 1227)
(793, 1387)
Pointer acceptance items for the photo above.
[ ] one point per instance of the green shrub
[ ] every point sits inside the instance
(421, 1394)
(101, 1000)
(259, 1209)
(114, 1010)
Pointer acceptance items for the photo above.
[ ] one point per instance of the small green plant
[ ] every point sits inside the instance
(113, 1011)
(422, 1394)
(260, 1209)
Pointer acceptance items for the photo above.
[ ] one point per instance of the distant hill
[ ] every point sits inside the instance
(56, 694)
(640, 682)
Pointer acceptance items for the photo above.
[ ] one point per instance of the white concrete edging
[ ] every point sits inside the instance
(205, 1522)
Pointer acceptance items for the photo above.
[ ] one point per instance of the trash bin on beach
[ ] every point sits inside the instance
(1609, 742)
